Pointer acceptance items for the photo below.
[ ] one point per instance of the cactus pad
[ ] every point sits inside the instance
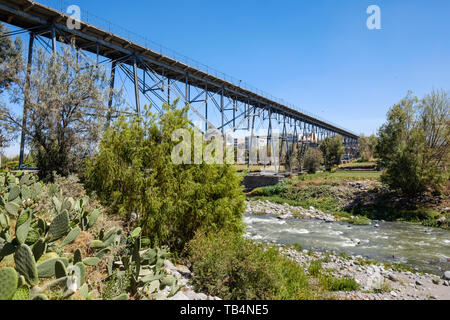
(102, 253)
(25, 264)
(8, 283)
(77, 256)
(59, 226)
(91, 261)
(60, 269)
(4, 220)
(22, 293)
(32, 237)
(26, 193)
(92, 217)
(97, 244)
(13, 193)
(46, 269)
(73, 234)
(23, 226)
(78, 270)
(12, 208)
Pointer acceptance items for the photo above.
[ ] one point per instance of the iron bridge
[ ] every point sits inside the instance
(219, 103)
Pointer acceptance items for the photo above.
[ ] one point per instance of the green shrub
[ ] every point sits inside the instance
(231, 267)
(133, 172)
(413, 144)
(315, 267)
(332, 150)
(312, 160)
(341, 284)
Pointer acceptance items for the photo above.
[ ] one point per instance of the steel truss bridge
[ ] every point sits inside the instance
(218, 103)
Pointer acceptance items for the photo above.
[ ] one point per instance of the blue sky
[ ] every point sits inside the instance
(318, 54)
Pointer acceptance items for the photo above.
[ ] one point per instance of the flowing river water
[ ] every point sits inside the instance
(417, 246)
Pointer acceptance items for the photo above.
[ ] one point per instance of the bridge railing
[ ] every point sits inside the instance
(86, 16)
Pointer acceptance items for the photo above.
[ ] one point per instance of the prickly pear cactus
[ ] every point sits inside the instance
(136, 232)
(23, 226)
(14, 193)
(78, 272)
(25, 264)
(8, 283)
(12, 208)
(46, 269)
(59, 226)
(91, 261)
(71, 236)
(84, 291)
(97, 244)
(4, 220)
(39, 249)
(77, 256)
(32, 237)
(60, 269)
(102, 253)
(26, 193)
(22, 293)
(149, 256)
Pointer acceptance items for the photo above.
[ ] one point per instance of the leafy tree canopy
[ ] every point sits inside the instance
(133, 172)
(413, 145)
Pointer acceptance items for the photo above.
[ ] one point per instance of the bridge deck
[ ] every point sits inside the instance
(29, 14)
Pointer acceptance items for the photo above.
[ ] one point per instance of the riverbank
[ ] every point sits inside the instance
(376, 281)
(409, 248)
(418, 246)
(356, 197)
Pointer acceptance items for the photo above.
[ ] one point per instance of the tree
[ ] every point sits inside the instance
(66, 103)
(312, 160)
(332, 150)
(367, 147)
(11, 64)
(413, 146)
(133, 172)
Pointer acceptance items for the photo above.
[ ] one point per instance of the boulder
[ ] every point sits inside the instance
(447, 275)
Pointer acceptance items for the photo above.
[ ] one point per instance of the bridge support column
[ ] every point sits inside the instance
(54, 40)
(136, 87)
(206, 107)
(250, 143)
(269, 138)
(168, 91)
(25, 103)
(222, 111)
(111, 91)
(283, 140)
(188, 90)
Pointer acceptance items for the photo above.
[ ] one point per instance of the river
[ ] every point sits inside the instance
(417, 246)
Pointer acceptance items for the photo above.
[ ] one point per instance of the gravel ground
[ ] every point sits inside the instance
(285, 211)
